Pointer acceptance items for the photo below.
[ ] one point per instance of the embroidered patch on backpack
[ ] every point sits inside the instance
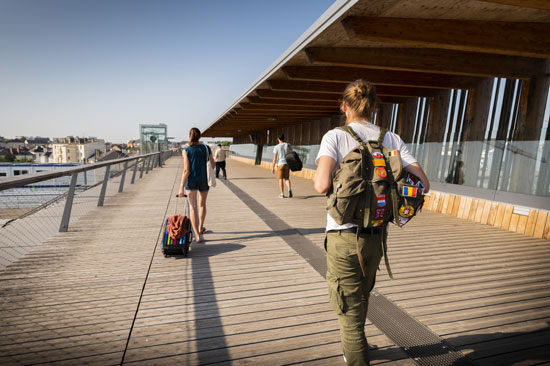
(381, 172)
(381, 200)
(406, 211)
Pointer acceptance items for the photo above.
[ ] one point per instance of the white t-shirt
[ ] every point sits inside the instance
(281, 150)
(337, 143)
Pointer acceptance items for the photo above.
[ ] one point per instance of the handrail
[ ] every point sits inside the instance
(13, 182)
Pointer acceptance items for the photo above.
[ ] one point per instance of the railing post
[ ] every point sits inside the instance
(142, 168)
(121, 186)
(135, 171)
(64, 226)
(104, 186)
(148, 165)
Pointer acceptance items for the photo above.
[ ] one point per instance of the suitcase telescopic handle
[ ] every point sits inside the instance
(186, 210)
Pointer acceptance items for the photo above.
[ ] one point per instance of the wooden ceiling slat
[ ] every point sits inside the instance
(506, 38)
(312, 86)
(427, 60)
(293, 102)
(383, 77)
(298, 95)
(533, 4)
(315, 109)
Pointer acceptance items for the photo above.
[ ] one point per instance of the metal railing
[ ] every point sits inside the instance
(144, 163)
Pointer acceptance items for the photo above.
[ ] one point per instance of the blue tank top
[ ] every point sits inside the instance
(197, 162)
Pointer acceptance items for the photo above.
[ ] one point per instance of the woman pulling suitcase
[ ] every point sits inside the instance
(195, 180)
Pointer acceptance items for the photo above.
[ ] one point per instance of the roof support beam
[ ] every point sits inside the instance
(506, 38)
(427, 60)
(296, 89)
(383, 77)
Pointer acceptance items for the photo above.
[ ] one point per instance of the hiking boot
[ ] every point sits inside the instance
(289, 194)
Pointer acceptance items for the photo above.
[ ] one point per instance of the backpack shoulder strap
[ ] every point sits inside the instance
(383, 132)
(350, 130)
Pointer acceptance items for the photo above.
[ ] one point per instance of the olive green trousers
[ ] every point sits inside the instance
(349, 290)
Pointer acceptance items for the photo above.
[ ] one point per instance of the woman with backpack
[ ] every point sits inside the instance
(195, 179)
(353, 254)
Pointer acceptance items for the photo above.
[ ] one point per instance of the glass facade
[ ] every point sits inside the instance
(494, 152)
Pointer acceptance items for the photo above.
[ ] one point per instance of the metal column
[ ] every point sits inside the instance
(104, 186)
(121, 186)
(68, 205)
(135, 171)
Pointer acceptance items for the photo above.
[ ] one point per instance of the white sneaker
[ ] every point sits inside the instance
(282, 196)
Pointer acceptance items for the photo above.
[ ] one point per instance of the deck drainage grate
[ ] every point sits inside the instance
(422, 345)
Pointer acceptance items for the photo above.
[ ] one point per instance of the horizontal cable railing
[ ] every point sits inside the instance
(33, 207)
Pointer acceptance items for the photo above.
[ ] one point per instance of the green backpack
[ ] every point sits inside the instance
(371, 188)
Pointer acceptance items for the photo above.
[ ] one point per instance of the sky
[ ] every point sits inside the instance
(101, 67)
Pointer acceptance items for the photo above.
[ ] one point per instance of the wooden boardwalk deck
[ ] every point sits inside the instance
(103, 293)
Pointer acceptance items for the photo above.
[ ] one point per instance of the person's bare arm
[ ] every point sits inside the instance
(274, 161)
(185, 174)
(323, 175)
(416, 169)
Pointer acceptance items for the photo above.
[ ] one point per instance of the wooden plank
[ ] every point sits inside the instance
(473, 209)
(522, 223)
(505, 38)
(492, 214)
(546, 234)
(479, 210)
(426, 60)
(446, 202)
(530, 226)
(486, 210)
(540, 224)
(514, 222)
(462, 206)
(507, 217)
(467, 208)
(456, 206)
(500, 215)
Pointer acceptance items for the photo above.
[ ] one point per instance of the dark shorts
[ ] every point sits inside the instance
(193, 186)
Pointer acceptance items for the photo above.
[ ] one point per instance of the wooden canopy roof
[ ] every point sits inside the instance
(407, 48)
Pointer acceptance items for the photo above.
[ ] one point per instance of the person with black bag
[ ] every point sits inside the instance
(195, 178)
(280, 164)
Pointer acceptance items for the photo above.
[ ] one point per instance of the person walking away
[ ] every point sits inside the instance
(349, 287)
(219, 158)
(194, 179)
(279, 163)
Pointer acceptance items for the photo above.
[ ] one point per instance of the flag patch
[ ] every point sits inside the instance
(409, 191)
(393, 153)
(380, 200)
(379, 213)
